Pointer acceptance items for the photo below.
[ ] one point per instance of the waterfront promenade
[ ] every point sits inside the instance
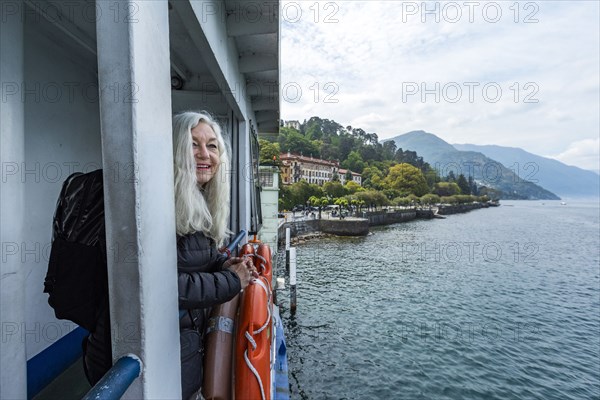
(358, 225)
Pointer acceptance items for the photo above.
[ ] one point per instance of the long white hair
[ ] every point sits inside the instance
(198, 208)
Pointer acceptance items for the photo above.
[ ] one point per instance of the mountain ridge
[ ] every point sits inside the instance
(558, 177)
(486, 171)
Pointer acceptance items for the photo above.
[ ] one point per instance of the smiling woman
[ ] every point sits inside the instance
(201, 152)
(202, 206)
(206, 152)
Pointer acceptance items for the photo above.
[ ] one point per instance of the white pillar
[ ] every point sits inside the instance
(244, 170)
(293, 280)
(135, 108)
(13, 374)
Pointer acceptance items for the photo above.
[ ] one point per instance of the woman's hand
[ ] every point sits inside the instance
(243, 267)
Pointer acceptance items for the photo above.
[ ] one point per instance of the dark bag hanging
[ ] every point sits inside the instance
(76, 281)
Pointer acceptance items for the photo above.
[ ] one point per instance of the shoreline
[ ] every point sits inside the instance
(310, 229)
(301, 239)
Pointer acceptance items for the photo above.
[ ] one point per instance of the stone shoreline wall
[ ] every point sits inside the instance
(344, 227)
(360, 226)
(386, 218)
(460, 208)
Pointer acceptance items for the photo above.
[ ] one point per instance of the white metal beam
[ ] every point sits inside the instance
(265, 103)
(66, 26)
(204, 22)
(250, 24)
(264, 116)
(179, 67)
(259, 62)
(251, 17)
(139, 206)
(13, 374)
(268, 128)
(262, 89)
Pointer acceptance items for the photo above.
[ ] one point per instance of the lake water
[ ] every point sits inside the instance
(498, 303)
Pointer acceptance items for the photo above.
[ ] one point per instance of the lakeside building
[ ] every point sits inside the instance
(356, 177)
(292, 124)
(312, 170)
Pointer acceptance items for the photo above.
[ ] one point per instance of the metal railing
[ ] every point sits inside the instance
(117, 380)
(231, 248)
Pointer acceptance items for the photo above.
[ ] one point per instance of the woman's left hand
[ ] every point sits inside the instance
(244, 268)
(231, 261)
(246, 260)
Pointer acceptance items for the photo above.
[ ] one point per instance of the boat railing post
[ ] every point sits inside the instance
(287, 249)
(293, 280)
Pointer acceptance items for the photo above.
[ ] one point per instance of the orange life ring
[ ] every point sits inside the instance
(247, 250)
(263, 262)
(253, 343)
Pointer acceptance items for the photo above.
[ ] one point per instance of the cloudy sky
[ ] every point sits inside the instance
(519, 74)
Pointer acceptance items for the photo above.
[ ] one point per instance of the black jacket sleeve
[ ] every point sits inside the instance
(207, 289)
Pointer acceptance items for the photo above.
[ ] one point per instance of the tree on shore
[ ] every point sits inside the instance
(341, 202)
(353, 187)
(269, 153)
(463, 184)
(407, 179)
(318, 202)
(429, 199)
(372, 198)
(446, 189)
(354, 162)
(334, 189)
(298, 194)
(293, 141)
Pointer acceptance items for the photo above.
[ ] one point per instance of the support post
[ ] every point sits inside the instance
(293, 280)
(13, 375)
(287, 249)
(135, 116)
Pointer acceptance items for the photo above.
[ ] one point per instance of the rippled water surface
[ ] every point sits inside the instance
(499, 303)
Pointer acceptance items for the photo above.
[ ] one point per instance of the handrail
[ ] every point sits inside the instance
(227, 251)
(117, 380)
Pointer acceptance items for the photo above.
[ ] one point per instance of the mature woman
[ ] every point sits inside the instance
(205, 279)
(202, 212)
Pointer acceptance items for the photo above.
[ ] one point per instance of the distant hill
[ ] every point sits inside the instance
(562, 179)
(486, 171)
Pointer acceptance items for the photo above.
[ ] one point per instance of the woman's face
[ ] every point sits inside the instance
(206, 152)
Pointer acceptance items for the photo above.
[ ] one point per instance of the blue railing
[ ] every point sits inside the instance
(117, 380)
(230, 249)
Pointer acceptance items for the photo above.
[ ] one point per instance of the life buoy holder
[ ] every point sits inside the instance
(253, 343)
(263, 262)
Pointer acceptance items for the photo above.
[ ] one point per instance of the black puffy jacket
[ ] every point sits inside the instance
(201, 285)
